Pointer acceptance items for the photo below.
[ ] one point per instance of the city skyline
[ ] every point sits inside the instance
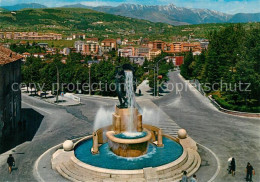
(225, 6)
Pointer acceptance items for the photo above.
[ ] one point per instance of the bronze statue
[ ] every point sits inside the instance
(120, 84)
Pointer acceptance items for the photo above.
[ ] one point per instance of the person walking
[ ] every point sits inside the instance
(10, 162)
(249, 172)
(233, 166)
(184, 177)
(193, 178)
(229, 165)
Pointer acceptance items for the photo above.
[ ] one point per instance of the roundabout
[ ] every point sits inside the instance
(127, 149)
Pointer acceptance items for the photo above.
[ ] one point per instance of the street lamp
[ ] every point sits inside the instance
(58, 84)
(89, 79)
(153, 78)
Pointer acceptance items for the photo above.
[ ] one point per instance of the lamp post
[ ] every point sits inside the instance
(153, 78)
(58, 84)
(89, 79)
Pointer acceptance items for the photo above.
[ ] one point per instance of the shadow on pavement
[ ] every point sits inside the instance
(25, 131)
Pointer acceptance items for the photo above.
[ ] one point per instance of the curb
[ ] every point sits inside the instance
(230, 112)
(236, 113)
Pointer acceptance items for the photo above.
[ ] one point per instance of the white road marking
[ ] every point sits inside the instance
(218, 163)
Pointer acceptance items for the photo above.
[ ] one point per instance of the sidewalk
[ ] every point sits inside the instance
(147, 92)
(63, 101)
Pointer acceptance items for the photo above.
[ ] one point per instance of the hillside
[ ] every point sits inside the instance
(98, 24)
(245, 17)
(2, 10)
(67, 20)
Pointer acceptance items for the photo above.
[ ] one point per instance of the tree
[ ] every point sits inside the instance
(186, 69)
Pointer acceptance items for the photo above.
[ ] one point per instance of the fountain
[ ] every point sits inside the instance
(127, 148)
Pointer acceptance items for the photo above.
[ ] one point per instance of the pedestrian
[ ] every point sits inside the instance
(184, 177)
(229, 165)
(249, 172)
(193, 178)
(233, 166)
(140, 92)
(10, 162)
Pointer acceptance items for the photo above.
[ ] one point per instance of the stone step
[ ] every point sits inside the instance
(190, 170)
(196, 160)
(173, 168)
(65, 175)
(83, 175)
(73, 175)
(87, 172)
(178, 171)
(195, 169)
(124, 180)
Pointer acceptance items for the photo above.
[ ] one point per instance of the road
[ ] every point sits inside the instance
(226, 135)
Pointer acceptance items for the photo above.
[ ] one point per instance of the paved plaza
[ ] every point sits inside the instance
(217, 133)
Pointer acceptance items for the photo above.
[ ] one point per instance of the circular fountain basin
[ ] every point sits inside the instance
(155, 156)
(131, 135)
(131, 145)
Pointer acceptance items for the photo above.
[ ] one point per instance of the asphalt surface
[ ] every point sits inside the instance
(226, 135)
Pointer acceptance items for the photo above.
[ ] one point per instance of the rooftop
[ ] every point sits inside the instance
(8, 56)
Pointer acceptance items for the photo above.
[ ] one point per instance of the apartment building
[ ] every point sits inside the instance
(91, 46)
(108, 45)
(153, 53)
(126, 52)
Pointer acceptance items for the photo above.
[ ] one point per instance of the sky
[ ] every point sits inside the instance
(225, 6)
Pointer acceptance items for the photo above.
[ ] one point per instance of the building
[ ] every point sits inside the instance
(126, 52)
(154, 53)
(30, 36)
(79, 46)
(79, 36)
(2, 35)
(91, 46)
(177, 47)
(26, 55)
(43, 45)
(158, 44)
(65, 51)
(179, 60)
(108, 45)
(137, 59)
(142, 51)
(9, 35)
(10, 94)
(191, 46)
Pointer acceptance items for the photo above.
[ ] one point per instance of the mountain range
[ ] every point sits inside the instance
(161, 13)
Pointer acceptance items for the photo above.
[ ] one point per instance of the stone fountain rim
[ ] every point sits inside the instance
(110, 136)
(116, 171)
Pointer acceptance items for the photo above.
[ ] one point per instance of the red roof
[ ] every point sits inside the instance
(8, 56)
(109, 40)
(92, 39)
